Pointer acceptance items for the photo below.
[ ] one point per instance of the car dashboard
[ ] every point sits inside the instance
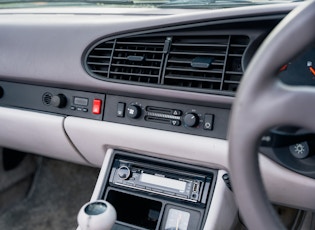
(147, 86)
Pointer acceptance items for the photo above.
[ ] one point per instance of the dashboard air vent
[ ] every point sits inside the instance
(201, 63)
(205, 62)
(99, 59)
(129, 59)
(138, 59)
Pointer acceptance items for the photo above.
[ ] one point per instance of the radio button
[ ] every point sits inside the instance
(194, 196)
(169, 193)
(181, 195)
(119, 181)
(157, 190)
(124, 172)
(129, 183)
(140, 186)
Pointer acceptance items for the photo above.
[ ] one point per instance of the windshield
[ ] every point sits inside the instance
(189, 4)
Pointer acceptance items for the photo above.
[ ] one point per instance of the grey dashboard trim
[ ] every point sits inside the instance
(37, 133)
(98, 189)
(27, 35)
(95, 138)
(100, 136)
(223, 209)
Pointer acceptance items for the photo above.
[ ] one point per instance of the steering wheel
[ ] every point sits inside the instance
(263, 99)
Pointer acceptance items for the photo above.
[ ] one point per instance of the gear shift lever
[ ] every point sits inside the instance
(97, 215)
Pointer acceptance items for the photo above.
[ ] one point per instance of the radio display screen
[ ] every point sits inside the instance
(163, 182)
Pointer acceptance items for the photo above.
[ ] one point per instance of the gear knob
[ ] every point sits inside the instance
(97, 215)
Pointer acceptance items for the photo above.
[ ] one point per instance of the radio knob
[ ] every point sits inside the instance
(191, 119)
(124, 172)
(59, 101)
(133, 111)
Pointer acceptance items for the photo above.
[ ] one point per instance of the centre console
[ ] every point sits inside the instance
(151, 193)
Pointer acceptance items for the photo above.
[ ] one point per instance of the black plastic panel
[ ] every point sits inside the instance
(148, 210)
(77, 103)
(210, 122)
(183, 118)
(125, 204)
(284, 157)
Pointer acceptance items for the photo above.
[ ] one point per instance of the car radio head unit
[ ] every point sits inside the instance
(166, 181)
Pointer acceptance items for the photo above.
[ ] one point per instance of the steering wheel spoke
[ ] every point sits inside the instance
(297, 108)
(284, 105)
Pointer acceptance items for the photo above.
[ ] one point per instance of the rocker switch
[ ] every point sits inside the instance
(121, 109)
(208, 122)
(97, 105)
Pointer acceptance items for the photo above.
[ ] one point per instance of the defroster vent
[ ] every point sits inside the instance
(208, 64)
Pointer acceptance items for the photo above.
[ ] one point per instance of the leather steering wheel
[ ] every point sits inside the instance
(263, 102)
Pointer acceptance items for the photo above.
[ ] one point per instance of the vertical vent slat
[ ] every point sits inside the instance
(202, 63)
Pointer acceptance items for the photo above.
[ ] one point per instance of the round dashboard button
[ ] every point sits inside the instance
(59, 101)
(124, 172)
(133, 111)
(191, 119)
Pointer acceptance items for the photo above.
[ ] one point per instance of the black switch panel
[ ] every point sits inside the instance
(177, 117)
(52, 100)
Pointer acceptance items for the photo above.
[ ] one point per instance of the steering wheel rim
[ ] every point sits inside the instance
(263, 98)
